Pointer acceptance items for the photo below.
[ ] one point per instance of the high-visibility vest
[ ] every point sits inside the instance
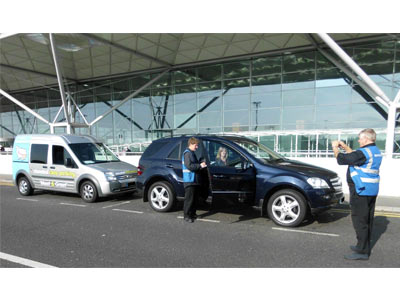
(366, 177)
(188, 176)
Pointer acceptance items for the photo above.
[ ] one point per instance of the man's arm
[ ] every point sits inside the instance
(352, 158)
(345, 147)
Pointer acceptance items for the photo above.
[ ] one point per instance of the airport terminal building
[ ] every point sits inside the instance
(292, 92)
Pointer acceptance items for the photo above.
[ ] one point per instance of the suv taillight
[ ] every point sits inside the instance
(140, 170)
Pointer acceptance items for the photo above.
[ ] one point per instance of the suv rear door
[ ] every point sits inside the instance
(235, 180)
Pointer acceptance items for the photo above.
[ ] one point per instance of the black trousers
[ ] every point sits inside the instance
(362, 216)
(191, 199)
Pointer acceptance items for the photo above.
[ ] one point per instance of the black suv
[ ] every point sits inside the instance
(254, 174)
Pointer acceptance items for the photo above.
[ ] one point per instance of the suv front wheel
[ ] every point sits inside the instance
(161, 196)
(287, 208)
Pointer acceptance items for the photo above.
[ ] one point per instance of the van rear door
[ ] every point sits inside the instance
(38, 166)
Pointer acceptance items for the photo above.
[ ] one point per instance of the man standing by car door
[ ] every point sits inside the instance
(363, 181)
(191, 179)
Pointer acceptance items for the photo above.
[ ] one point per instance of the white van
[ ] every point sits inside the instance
(69, 163)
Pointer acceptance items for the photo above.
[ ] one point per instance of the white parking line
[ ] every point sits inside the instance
(303, 231)
(24, 261)
(203, 220)
(130, 211)
(23, 199)
(70, 204)
(117, 204)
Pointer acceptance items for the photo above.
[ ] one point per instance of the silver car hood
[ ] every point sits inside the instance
(119, 167)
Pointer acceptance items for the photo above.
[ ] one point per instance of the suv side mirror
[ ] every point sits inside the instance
(69, 163)
(244, 165)
(247, 165)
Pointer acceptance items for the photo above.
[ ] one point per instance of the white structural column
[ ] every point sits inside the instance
(391, 125)
(60, 84)
(129, 97)
(24, 106)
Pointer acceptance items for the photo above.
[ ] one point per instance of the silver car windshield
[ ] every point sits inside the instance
(259, 151)
(90, 153)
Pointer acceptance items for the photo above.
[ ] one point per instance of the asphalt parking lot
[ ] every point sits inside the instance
(59, 230)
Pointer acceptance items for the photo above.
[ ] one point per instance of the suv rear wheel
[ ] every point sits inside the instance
(287, 208)
(161, 196)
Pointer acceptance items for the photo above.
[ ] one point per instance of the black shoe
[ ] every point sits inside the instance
(187, 219)
(194, 216)
(356, 256)
(355, 249)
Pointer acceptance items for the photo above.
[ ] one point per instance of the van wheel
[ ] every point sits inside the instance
(287, 208)
(24, 186)
(88, 192)
(161, 196)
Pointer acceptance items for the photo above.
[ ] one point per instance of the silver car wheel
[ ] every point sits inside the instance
(23, 187)
(286, 209)
(159, 197)
(88, 192)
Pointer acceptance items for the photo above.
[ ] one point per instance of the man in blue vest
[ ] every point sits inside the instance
(191, 179)
(363, 181)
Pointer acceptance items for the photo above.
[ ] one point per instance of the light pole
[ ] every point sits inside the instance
(257, 104)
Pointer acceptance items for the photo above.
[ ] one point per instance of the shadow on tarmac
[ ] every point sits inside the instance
(73, 196)
(379, 228)
(330, 216)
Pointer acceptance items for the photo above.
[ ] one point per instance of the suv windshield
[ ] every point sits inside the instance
(89, 153)
(259, 151)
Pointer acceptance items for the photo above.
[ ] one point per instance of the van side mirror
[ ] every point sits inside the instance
(69, 163)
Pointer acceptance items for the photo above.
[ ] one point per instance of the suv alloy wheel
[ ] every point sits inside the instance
(287, 208)
(161, 196)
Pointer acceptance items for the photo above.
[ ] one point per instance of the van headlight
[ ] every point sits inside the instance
(317, 183)
(110, 176)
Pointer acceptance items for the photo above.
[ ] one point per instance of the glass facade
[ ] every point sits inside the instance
(265, 97)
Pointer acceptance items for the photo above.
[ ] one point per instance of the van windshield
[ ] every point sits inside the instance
(260, 151)
(90, 153)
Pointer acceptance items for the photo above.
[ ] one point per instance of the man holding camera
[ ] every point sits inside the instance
(363, 180)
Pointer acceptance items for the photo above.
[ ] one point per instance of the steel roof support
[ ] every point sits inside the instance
(137, 53)
(60, 83)
(351, 75)
(381, 97)
(24, 107)
(128, 98)
(35, 72)
(391, 125)
(77, 107)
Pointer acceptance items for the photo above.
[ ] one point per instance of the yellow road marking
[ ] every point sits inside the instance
(7, 183)
(377, 213)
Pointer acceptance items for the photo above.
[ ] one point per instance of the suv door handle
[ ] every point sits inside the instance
(169, 166)
(44, 167)
(52, 167)
(219, 176)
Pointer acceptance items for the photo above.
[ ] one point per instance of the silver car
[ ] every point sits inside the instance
(70, 163)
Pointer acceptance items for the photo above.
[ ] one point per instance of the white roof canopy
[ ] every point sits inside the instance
(26, 59)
